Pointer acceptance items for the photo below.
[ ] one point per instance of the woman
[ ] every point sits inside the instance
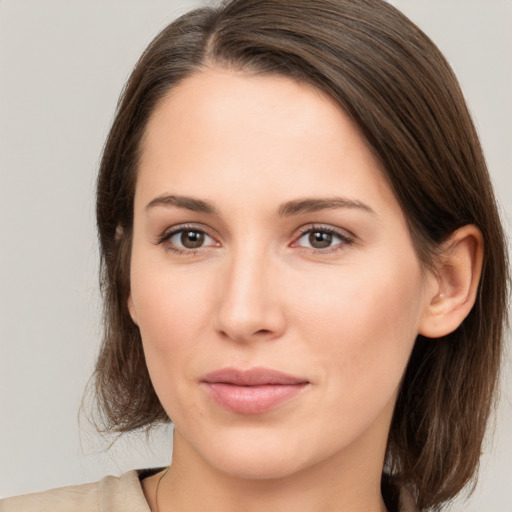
(303, 266)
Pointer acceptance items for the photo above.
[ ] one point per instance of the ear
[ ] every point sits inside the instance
(457, 274)
(131, 309)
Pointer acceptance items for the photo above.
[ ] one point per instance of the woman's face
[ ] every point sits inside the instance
(273, 277)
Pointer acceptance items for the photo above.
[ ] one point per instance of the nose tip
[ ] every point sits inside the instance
(248, 319)
(249, 308)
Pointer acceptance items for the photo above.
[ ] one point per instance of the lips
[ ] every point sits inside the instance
(253, 391)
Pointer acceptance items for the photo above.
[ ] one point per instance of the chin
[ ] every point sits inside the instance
(262, 454)
(250, 453)
(255, 466)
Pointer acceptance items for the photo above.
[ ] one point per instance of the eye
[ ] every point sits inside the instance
(323, 238)
(186, 239)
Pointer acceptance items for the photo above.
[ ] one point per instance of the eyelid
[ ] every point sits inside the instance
(345, 236)
(168, 233)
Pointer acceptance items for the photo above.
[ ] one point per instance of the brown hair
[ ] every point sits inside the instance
(395, 84)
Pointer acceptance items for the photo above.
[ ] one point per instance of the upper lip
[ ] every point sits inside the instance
(252, 377)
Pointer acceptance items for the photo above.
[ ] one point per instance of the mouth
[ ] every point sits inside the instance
(253, 391)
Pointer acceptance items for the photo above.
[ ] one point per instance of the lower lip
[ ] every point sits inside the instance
(252, 399)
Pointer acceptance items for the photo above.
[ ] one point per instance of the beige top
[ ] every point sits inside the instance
(111, 494)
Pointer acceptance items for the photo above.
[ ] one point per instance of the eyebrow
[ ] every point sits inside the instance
(294, 207)
(187, 203)
(307, 205)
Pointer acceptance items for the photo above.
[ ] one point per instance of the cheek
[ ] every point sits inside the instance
(171, 311)
(364, 323)
(166, 296)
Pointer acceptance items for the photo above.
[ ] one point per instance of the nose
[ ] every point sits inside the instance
(249, 306)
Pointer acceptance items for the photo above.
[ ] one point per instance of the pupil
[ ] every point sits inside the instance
(192, 239)
(320, 240)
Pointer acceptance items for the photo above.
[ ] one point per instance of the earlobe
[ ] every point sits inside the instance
(131, 309)
(458, 275)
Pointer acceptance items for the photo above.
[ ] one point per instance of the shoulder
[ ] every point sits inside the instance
(111, 494)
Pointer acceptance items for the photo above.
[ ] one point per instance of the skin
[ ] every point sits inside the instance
(261, 292)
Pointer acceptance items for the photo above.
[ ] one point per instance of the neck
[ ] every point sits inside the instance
(342, 483)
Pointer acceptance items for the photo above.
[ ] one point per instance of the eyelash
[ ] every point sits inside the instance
(343, 237)
(167, 235)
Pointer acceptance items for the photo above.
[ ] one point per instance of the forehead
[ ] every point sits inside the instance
(254, 103)
(257, 134)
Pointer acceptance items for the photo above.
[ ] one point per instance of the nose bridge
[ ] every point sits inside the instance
(249, 305)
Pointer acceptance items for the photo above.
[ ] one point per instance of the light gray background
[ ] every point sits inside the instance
(62, 66)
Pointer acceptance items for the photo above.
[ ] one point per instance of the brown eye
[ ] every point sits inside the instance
(187, 239)
(320, 239)
(323, 239)
(192, 239)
